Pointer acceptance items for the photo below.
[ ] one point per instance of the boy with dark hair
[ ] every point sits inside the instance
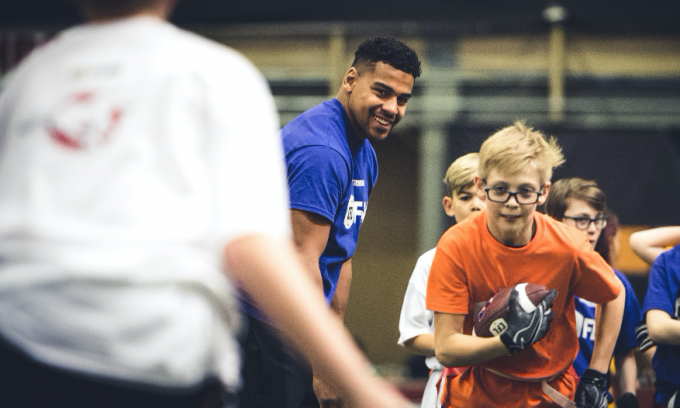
(332, 169)
(508, 243)
(582, 204)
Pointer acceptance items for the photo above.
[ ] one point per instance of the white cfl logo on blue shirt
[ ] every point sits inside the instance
(585, 327)
(354, 211)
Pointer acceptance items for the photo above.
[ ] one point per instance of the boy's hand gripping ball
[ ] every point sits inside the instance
(520, 314)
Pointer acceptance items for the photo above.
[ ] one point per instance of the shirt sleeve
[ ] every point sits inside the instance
(447, 289)
(248, 162)
(662, 290)
(595, 279)
(631, 319)
(415, 319)
(318, 176)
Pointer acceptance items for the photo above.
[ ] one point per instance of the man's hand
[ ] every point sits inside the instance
(526, 328)
(326, 396)
(592, 390)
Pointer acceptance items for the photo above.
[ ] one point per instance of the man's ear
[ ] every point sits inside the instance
(480, 187)
(544, 196)
(350, 79)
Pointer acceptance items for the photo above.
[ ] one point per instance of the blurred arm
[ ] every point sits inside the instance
(421, 344)
(650, 243)
(663, 329)
(626, 367)
(269, 270)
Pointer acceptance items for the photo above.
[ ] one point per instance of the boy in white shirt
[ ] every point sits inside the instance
(416, 322)
(133, 157)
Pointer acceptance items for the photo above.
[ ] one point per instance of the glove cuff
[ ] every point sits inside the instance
(591, 376)
(627, 400)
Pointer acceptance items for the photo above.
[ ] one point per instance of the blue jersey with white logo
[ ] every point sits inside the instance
(331, 172)
(663, 293)
(585, 326)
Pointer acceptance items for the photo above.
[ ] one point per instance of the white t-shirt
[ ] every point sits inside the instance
(415, 319)
(131, 152)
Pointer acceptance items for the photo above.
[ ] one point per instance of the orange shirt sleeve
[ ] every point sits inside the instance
(447, 287)
(594, 278)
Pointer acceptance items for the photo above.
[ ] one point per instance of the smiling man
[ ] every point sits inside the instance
(332, 168)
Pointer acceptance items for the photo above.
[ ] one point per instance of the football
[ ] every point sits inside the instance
(491, 319)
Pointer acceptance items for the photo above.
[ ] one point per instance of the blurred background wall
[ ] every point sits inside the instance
(603, 77)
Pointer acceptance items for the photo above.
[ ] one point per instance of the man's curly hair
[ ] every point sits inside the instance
(388, 50)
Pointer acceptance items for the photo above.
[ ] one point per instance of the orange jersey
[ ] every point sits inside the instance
(470, 266)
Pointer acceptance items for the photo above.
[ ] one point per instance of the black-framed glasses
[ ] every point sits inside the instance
(502, 195)
(583, 222)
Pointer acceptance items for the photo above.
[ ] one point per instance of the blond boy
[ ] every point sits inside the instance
(529, 365)
(416, 322)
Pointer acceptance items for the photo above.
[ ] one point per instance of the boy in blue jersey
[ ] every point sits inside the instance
(582, 203)
(662, 311)
(332, 169)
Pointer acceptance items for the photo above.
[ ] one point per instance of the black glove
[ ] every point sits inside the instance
(526, 328)
(592, 390)
(627, 400)
(642, 337)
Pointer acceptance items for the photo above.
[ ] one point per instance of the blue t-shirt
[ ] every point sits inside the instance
(663, 293)
(331, 172)
(585, 326)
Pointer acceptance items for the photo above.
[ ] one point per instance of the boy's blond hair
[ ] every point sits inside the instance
(516, 147)
(461, 173)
